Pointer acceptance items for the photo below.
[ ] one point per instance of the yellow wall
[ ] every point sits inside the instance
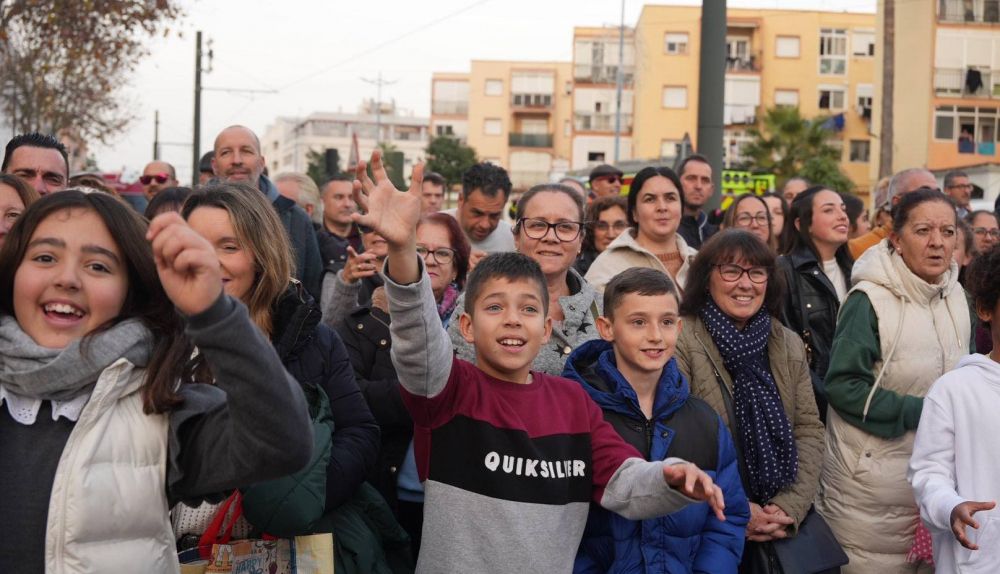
(657, 69)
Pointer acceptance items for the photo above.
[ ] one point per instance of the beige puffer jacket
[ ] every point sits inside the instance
(625, 253)
(923, 331)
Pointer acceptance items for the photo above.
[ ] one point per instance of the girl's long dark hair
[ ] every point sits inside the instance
(802, 210)
(145, 300)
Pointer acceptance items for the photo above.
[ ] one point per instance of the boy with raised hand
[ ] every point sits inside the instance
(631, 374)
(509, 458)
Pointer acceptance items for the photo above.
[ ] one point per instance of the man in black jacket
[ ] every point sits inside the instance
(695, 174)
(238, 159)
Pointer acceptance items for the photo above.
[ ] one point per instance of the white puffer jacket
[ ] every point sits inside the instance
(108, 511)
(625, 252)
(924, 330)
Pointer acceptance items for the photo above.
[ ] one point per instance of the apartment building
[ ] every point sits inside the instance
(946, 89)
(822, 62)
(597, 54)
(515, 114)
(286, 143)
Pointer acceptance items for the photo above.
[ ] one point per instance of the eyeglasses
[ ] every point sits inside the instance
(159, 177)
(609, 178)
(961, 186)
(992, 232)
(537, 228)
(441, 255)
(745, 219)
(604, 226)
(731, 273)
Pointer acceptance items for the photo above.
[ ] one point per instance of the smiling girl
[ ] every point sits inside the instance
(103, 429)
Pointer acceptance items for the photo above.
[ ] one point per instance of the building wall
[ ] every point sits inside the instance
(595, 95)
(657, 69)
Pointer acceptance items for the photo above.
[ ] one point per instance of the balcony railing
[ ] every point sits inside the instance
(530, 140)
(450, 108)
(601, 74)
(748, 64)
(964, 83)
(976, 11)
(534, 101)
(600, 122)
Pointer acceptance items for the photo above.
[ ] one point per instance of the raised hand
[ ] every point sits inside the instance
(358, 266)
(694, 483)
(186, 262)
(392, 213)
(961, 516)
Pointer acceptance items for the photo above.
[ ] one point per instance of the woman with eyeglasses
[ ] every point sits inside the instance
(445, 252)
(654, 209)
(550, 231)
(749, 212)
(753, 371)
(985, 231)
(905, 323)
(606, 220)
(816, 268)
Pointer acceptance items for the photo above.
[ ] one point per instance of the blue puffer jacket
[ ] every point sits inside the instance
(692, 539)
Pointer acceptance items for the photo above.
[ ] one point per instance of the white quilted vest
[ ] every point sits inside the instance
(108, 511)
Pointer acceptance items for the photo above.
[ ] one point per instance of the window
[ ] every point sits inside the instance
(444, 130)
(944, 127)
(865, 94)
(786, 47)
(860, 151)
(494, 87)
(675, 97)
(595, 156)
(832, 51)
(831, 98)
(670, 148)
(786, 98)
(675, 43)
(863, 42)
(567, 128)
(492, 127)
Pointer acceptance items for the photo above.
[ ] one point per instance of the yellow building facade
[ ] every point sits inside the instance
(822, 62)
(946, 93)
(515, 114)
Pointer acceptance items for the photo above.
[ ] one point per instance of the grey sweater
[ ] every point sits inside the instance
(509, 470)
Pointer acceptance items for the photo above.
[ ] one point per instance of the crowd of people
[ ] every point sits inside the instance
(605, 381)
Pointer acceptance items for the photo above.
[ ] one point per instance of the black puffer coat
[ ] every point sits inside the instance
(315, 355)
(811, 306)
(366, 334)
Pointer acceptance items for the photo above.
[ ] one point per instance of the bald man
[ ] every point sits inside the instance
(238, 159)
(157, 176)
(902, 182)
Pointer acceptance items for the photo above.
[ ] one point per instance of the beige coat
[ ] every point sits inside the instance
(923, 331)
(698, 359)
(625, 252)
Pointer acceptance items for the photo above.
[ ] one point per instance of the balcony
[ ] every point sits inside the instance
(601, 74)
(530, 140)
(966, 11)
(956, 83)
(450, 108)
(600, 122)
(531, 102)
(749, 64)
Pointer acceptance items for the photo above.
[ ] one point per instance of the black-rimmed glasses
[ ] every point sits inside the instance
(731, 272)
(537, 228)
(441, 255)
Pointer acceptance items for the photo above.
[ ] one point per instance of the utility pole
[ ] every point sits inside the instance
(196, 144)
(378, 104)
(619, 80)
(156, 135)
(888, 88)
(712, 88)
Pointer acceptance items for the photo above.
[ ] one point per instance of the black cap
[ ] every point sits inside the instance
(605, 169)
(205, 165)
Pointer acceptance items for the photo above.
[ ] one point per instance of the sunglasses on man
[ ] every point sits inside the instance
(609, 178)
(159, 177)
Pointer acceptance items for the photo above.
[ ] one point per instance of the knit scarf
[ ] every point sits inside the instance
(766, 435)
(32, 371)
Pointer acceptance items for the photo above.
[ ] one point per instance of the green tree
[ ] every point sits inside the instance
(450, 158)
(787, 145)
(63, 64)
(316, 166)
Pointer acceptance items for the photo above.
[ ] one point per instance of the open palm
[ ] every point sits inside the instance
(392, 213)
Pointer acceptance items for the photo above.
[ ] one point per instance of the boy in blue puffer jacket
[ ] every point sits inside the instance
(632, 375)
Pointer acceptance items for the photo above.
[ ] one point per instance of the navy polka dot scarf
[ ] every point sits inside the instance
(766, 435)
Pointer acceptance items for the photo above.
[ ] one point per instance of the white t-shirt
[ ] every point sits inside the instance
(502, 238)
(836, 276)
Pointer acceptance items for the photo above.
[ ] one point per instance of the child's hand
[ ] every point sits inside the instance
(694, 483)
(961, 516)
(393, 214)
(186, 262)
